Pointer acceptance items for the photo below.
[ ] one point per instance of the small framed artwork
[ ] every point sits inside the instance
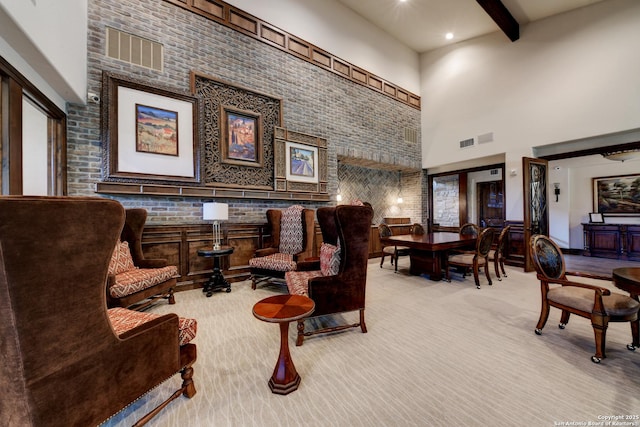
(302, 162)
(156, 130)
(596, 218)
(617, 195)
(241, 142)
(150, 133)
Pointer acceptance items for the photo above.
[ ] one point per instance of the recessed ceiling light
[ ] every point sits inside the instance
(449, 36)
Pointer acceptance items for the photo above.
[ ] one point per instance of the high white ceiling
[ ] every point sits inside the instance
(422, 24)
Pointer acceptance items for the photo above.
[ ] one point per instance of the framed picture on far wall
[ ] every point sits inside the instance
(596, 218)
(241, 142)
(617, 195)
(302, 162)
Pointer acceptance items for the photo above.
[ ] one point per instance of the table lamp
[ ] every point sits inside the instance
(216, 212)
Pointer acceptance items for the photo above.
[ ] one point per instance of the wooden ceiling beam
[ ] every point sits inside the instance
(501, 16)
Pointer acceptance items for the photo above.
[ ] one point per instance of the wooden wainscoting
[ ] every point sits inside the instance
(179, 245)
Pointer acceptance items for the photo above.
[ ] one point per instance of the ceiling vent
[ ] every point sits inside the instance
(134, 50)
(411, 135)
(465, 143)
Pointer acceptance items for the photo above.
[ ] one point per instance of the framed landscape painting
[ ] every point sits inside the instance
(617, 195)
(302, 162)
(156, 130)
(150, 133)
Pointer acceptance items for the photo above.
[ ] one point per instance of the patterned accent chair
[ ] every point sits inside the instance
(474, 260)
(67, 360)
(337, 282)
(292, 232)
(135, 281)
(592, 302)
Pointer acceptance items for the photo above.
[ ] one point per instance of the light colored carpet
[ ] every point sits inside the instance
(436, 354)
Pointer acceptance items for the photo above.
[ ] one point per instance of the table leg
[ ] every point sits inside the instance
(217, 280)
(285, 378)
(635, 327)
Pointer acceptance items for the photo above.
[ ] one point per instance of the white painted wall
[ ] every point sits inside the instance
(576, 195)
(335, 28)
(51, 41)
(571, 76)
(35, 159)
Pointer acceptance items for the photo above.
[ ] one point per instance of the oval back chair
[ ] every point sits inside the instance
(592, 302)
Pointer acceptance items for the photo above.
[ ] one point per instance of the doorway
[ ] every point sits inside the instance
(490, 203)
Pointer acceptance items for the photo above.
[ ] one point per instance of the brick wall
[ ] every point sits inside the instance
(354, 119)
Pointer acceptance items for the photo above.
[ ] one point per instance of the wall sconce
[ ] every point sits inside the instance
(399, 187)
(216, 212)
(556, 191)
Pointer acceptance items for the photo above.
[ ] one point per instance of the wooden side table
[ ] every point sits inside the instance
(283, 309)
(217, 280)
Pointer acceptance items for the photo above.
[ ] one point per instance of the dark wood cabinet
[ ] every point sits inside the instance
(616, 241)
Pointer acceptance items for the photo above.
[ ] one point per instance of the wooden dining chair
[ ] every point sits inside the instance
(475, 259)
(572, 297)
(497, 255)
(394, 251)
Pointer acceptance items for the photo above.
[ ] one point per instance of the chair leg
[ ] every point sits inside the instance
(171, 297)
(495, 266)
(544, 315)
(382, 260)
(253, 282)
(635, 332)
(564, 319)
(396, 264)
(363, 326)
(476, 277)
(599, 324)
(504, 273)
(300, 339)
(486, 272)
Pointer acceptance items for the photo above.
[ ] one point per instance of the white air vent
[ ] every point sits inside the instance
(494, 172)
(466, 143)
(134, 49)
(485, 137)
(410, 135)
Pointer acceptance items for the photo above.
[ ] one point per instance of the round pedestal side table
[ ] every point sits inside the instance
(283, 309)
(217, 280)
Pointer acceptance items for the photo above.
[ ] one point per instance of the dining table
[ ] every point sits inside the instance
(427, 252)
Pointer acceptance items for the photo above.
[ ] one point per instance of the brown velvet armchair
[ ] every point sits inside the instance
(140, 281)
(292, 232)
(63, 362)
(347, 227)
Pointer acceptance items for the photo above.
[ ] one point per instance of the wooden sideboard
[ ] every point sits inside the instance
(617, 241)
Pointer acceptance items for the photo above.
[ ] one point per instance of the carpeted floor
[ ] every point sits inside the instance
(436, 354)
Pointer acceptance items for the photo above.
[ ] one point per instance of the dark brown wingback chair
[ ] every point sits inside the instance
(337, 283)
(135, 281)
(593, 302)
(292, 232)
(63, 362)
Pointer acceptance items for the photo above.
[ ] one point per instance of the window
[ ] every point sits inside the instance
(33, 138)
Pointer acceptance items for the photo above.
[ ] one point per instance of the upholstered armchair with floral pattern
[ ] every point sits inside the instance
(292, 231)
(135, 281)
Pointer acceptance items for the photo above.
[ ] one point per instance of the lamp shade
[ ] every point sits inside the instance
(215, 211)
